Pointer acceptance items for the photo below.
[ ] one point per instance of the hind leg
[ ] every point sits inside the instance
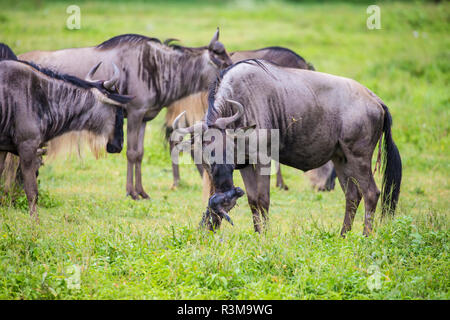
(352, 194)
(280, 182)
(175, 168)
(198, 165)
(371, 194)
(356, 179)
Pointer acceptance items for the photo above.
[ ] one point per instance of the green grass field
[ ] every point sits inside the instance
(94, 243)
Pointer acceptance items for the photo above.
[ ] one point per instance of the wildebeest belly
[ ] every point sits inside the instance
(311, 140)
(307, 158)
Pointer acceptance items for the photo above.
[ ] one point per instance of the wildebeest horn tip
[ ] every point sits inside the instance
(92, 72)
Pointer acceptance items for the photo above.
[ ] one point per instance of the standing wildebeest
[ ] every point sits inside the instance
(196, 105)
(37, 105)
(319, 117)
(154, 73)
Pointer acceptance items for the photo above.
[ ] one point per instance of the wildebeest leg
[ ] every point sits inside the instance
(175, 167)
(10, 171)
(133, 127)
(351, 191)
(28, 165)
(322, 178)
(208, 191)
(264, 197)
(250, 181)
(371, 194)
(280, 182)
(198, 165)
(138, 172)
(258, 194)
(208, 188)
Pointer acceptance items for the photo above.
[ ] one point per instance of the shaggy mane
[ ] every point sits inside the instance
(214, 112)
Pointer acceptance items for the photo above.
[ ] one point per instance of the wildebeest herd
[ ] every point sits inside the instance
(326, 125)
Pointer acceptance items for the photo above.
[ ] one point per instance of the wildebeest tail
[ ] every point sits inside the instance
(6, 53)
(392, 167)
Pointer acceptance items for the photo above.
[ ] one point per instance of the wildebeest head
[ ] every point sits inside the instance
(217, 52)
(216, 140)
(108, 95)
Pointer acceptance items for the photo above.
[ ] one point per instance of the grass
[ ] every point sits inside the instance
(94, 243)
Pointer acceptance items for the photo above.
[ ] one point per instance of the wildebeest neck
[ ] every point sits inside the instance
(171, 73)
(67, 108)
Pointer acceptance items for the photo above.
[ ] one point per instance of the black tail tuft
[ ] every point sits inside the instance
(392, 176)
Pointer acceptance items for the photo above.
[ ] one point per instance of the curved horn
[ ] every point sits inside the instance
(181, 130)
(215, 38)
(223, 122)
(187, 130)
(177, 119)
(108, 84)
(92, 72)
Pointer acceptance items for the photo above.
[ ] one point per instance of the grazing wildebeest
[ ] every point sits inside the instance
(319, 117)
(37, 104)
(155, 73)
(196, 105)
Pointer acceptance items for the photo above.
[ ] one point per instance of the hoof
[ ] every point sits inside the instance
(144, 195)
(282, 187)
(133, 195)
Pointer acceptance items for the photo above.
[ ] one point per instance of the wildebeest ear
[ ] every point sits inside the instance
(214, 39)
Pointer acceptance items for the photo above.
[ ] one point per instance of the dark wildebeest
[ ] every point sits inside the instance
(156, 74)
(37, 105)
(11, 166)
(319, 117)
(322, 179)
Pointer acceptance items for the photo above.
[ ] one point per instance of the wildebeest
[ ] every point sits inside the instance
(155, 73)
(319, 117)
(37, 104)
(195, 105)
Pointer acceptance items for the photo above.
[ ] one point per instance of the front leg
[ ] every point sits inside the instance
(29, 165)
(134, 123)
(257, 185)
(140, 155)
(249, 176)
